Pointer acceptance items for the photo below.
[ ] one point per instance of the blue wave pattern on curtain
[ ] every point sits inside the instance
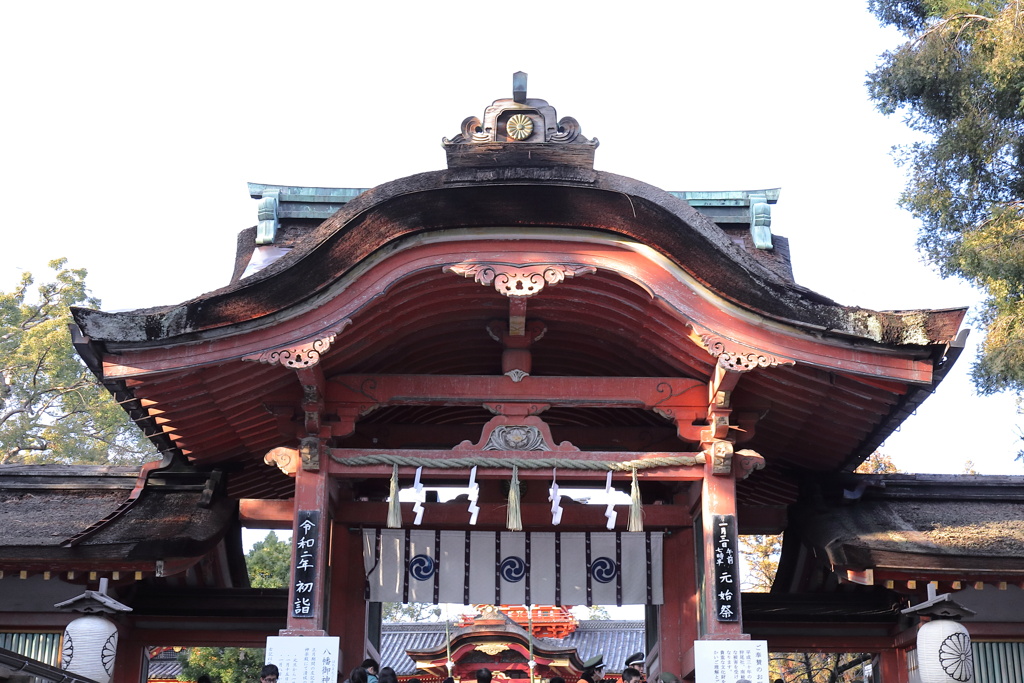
(513, 568)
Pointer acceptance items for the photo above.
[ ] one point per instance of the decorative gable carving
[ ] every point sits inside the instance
(733, 356)
(516, 438)
(304, 354)
(516, 427)
(518, 281)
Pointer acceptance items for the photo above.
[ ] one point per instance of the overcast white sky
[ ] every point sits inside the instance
(130, 129)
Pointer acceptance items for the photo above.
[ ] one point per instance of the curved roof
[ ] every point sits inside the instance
(517, 205)
(634, 282)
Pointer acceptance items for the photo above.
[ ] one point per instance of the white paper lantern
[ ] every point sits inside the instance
(89, 646)
(944, 652)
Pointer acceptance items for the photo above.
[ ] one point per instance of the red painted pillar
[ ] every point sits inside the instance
(677, 617)
(893, 664)
(348, 609)
(718, 498)
(130, 665)
(307, 609)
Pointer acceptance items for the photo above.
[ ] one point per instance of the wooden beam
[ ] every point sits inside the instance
(996, 630)
(633, 438)
(340, 459)
(761, 519)
(475, 390)
(864, 577)
(815, 641)
(493, 516)
(266, 514)
(449, 475)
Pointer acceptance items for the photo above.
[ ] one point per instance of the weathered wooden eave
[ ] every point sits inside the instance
(60, 519)
(914, 528)
(522, 198)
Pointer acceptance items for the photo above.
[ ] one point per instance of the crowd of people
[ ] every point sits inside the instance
(370, 671)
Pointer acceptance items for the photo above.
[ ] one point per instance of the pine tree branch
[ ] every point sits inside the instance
(944, 23)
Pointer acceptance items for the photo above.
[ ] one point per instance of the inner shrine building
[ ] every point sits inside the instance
(518, 326)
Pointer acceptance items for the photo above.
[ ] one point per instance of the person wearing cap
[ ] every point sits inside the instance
(593, 669)
(636, 661)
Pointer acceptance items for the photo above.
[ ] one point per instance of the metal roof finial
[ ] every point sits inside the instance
(519, 86)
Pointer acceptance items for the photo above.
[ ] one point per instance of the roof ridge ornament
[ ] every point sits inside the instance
(520, 131)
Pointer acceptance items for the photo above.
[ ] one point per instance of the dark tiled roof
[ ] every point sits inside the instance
(616, 640)
(397, 638)
(164, 670)
(164, 666)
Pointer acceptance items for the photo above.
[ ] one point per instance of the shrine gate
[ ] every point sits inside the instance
(515, 324)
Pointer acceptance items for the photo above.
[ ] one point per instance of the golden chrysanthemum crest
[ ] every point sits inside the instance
(519, 127)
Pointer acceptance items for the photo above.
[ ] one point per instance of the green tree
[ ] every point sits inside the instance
(598, 613)
(269, 564)
(52, 409)
(761, 553)
(223, 664)
(817, 667)
(959, 80)
(409, 612)
(878, 463)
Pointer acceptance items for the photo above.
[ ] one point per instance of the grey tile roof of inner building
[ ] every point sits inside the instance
(616, 640)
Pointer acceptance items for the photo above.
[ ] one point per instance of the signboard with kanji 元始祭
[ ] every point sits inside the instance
(731, 661)
(304, 659)
(727, 581)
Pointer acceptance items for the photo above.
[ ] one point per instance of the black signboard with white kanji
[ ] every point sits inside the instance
(727, 579)
(304, 574)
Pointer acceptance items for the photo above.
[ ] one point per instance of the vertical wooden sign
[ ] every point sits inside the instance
(726, 558)
(304, 572)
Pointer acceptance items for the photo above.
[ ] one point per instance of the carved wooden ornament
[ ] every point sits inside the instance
(747, 462)
(721, 454)
(304, 354)
(733, 356)
(515, 432)
(516, 438)
(518, 281)
(286, 459)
